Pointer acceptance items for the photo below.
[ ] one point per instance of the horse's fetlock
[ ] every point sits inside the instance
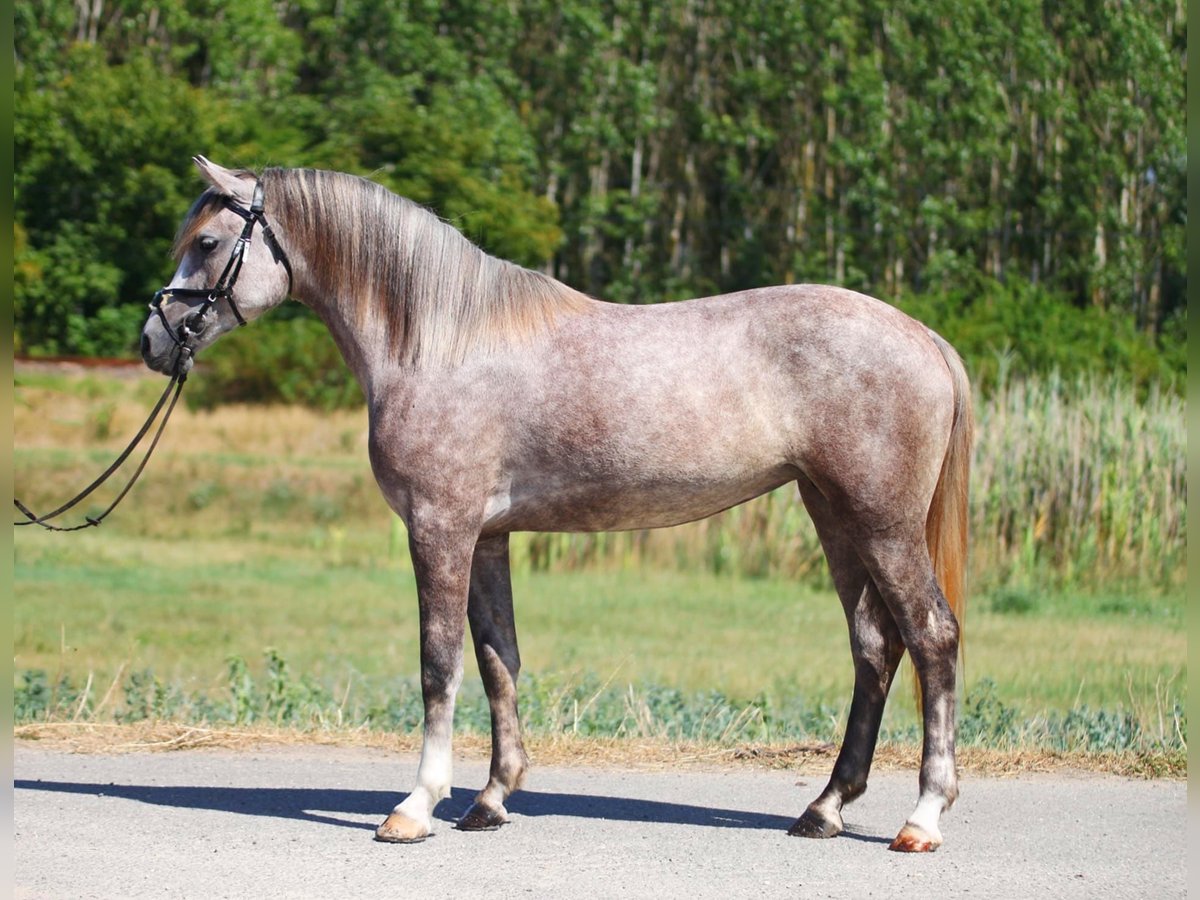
(951, 793)
(508, 775)
(510, 770)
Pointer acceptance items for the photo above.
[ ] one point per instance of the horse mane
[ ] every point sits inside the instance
(390, 264)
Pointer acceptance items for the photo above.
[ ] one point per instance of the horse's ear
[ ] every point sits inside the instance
(231, 184)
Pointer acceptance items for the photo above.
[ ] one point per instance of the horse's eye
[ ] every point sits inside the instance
(208, 244)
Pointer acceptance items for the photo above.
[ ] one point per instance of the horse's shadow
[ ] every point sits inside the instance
(328, 805)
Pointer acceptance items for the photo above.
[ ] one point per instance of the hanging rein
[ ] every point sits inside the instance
(185, 338)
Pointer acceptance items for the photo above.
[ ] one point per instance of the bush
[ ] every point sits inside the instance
(1016, 330)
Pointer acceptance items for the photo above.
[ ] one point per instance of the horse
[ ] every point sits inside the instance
(502, 400)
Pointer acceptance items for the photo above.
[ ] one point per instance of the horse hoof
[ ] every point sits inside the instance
(482, 818)
(914, 839)
(400, 829)
(814, 825)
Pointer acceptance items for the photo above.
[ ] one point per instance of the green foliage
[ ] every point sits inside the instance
(204, 494)
(587, 707)
(986, 721)
(31, 696)
(462, 152)
(1016, 330)
(1015, 174)
(102, 176)
(241, 691)
(148, 698)
(1013, 600)
(288, 700)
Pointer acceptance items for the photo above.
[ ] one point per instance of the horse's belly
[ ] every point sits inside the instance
(582, 506)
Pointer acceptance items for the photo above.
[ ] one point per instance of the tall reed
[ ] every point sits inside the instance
(1081, 482)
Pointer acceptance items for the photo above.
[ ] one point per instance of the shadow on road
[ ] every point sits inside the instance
(325, 804)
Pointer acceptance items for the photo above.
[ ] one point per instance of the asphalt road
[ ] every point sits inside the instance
(298, 823)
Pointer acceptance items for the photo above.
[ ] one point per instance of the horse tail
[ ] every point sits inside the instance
(947, 522)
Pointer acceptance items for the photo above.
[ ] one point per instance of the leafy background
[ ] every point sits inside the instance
(1011, 172)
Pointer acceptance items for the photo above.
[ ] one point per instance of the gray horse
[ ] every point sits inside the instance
(501, 400)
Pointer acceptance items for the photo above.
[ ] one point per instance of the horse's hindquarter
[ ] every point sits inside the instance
(635, 417)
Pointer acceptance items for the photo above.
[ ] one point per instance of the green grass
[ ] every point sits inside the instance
(181, 609)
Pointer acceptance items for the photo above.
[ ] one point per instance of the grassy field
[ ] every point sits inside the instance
(255, 573)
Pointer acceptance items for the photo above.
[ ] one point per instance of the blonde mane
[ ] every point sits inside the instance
(393, 265)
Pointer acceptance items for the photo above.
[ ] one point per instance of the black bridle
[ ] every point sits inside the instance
(185, 338)
(193, 324)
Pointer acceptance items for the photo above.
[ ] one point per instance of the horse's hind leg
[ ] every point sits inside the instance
(494, 632)
(876, 647)
(900, 566)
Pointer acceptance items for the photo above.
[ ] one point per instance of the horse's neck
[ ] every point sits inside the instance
(425, 297)
(355, 349)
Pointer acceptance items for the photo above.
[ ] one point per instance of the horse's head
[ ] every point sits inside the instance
(225, 277)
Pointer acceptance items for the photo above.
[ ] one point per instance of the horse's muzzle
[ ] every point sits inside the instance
(169, 359)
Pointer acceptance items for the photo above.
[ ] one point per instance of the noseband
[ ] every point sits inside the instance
(184, 337)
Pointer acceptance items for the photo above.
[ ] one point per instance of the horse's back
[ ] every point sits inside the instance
(796, 362)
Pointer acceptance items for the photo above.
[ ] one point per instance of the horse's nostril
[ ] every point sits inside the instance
(145, 345)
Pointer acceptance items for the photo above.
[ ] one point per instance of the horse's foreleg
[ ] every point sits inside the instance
(494, 632)
(876, 649)
(442, 564)
(930, 632)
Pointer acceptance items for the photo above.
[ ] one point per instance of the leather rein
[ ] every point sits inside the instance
(185, 337)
